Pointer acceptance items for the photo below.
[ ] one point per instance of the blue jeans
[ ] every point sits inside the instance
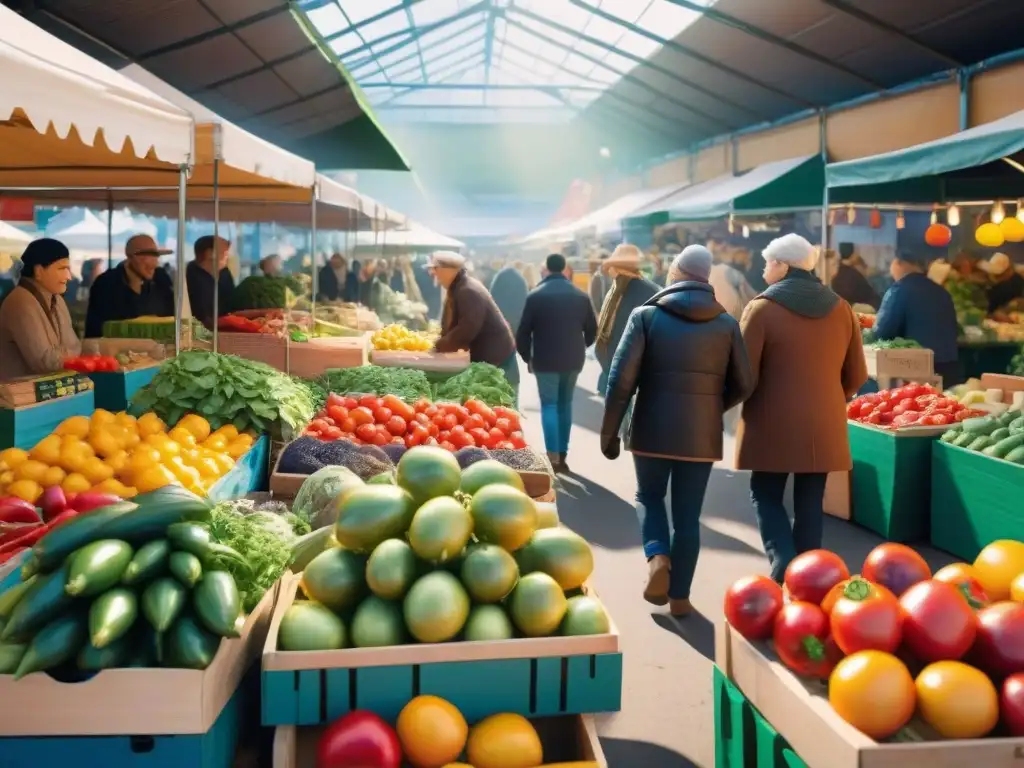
(556, 391)
(782, 541)
(682, 546)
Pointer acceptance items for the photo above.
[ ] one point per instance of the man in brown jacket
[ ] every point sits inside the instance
(805, 350)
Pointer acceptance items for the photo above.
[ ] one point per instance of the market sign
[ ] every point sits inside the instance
(17, 209)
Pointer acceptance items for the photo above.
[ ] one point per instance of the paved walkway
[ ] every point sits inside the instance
(667, 715)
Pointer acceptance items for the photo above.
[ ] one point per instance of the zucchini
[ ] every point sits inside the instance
(97, 567)
(963, 440)
(83, 529)
(44, 600)
(991, 450)
(189, 537)
(162, 601)
(149, 562)
(145, 642)
(115, 654)
(980, 442)
(55, 643)
(305, 548)
(10, 657)
(1016, 455)
(1000, 434)
(1007, 444)
(186, 568)
(982, 425)
(1008, 417)
(1017, 426)
(156, 511)
(111, 615)
(189, 646)
(9, 598)
(217, 603)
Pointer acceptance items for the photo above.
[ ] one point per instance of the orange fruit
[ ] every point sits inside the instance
(30, 470)
(74, 426)
(75, 483)
(504, 741)
(96, 471)
(53, 476)
(997, 565)
(432, 732)
(26, 490)
(12, 457)
(151, 479)
(46, 450)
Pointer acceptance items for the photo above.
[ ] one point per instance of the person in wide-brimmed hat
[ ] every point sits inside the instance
(1007, 283)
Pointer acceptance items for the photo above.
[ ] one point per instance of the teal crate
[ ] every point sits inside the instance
(213, 749)
(24, 427)
(249, 474)
(975, 500)
(743, 738)
(890, 486)
(114, 390)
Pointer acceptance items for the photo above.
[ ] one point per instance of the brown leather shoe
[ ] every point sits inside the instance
(656, 591)
(680, 608)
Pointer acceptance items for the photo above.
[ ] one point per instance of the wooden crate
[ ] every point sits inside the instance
(308, 359)
(24, 427)
(887, 366)
(534, 677)
(114, 390)
(434, 362)
(565, 739)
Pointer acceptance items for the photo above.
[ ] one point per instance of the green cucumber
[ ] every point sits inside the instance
(189, 645)
(115, 654)
(1016, 455)
(97, 567)
(44, 600)
(55, 643)
(188, 537)
(10, 657)
(950, 435)
(149, 562)
(186, 568)
(162, 602)
(217, 603)
(980, 442)
(156, 511)
(111, 615)
(55, 546)
(963, 439)
(1017, 426)
(999, 434)
(10, 597)
(980, 426)
(1007, 444)
(991, 450)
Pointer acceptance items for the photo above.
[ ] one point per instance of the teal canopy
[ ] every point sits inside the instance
(785, 185)
(968, 165)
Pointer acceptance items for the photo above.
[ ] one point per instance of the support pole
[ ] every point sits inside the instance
(179, 264)
(110, 229)
(963, 78)
(823, 140)
(216, 250)
(312, 250)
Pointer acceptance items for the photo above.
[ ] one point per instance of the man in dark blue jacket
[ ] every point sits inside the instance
(557, 326)
(917, 308)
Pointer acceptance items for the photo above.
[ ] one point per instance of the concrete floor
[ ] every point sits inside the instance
(667, 717)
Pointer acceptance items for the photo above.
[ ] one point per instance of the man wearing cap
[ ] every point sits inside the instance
(920, 309)
(137, 287)
(1007, 284)
(470, 319)
(199, 279)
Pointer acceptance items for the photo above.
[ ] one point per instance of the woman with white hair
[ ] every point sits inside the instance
(805, 349)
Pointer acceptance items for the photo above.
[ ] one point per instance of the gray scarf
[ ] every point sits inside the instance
(801, 292)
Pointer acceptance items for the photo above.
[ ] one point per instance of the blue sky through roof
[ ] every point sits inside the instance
(491, 60)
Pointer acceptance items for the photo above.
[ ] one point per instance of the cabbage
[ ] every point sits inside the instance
(314, 502)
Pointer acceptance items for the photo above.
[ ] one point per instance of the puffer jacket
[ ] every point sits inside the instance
(683, 356)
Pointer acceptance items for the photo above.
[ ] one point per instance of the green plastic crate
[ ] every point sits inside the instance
(975, 500)
(890, 486)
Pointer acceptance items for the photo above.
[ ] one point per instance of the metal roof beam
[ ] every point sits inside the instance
(672, 45)
(428, 47)
(213, 33)
(884, 26)
(639, 60)
(438, 86)
(405, 5)
(780, 42)
(457, 69)
(405, 72)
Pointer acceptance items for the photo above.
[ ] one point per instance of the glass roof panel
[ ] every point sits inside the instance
(492, 60)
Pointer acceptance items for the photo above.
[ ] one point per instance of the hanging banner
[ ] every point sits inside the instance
(21, 209)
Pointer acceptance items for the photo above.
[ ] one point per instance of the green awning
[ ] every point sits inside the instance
(785, 185)
(968, 165)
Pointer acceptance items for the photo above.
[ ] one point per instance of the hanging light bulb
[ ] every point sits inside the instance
(1020, 210)
(731, 225)
(953, 216)
(832, 217)
(901, 222)
(851, 214)
(998, 212)
(935, 216)
(746, 231)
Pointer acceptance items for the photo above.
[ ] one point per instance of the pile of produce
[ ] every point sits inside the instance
(404, 383)
(898, 343)
(119, 454)
(233, 323)
(865, 321)
(897, 640)
(398, 337)
(265, 292)
(147, 327)
(480, 381)
(433, 554)
(23, 524)
(432, 733)
(92, 364)
(128, 584)
(1001, 437)
(969, 300)
(913, 405)
(395, 307)
(228, 390)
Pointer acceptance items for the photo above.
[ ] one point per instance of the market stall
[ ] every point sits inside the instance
(414, 238)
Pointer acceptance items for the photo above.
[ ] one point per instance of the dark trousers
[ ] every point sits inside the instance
(682, 545)
(782, 541)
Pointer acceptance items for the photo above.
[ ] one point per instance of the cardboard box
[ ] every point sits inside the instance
(565, 739)
(837, 495)
(801, 714)
(135, 701)
(899, 364)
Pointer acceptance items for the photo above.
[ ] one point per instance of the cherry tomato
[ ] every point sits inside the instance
(397, 425)
(751, 605)
(862, 620)
(896, 567)
(1011, 704)
(811, 575)
(370, 401)
(366, 432)
(332, 433)
(957, 700)
(837, 591)
(361, 415)
(350, 403)
(801, 636)
(382, 415)
(338, 413)
(938, 624)
(999, 645)
(873, 692)
(417, 435)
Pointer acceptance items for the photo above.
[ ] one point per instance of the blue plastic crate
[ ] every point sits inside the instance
(114, 390)
(24, 427)
(249, 474)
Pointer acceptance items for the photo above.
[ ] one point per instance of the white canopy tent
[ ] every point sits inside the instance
(12, 239)
(414, 238)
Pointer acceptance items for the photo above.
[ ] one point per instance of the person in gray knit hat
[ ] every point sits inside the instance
(683, 356)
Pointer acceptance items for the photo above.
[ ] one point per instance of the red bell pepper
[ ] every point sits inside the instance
(37, 532)
(15, 510)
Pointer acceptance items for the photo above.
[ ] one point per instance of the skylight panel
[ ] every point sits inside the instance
(360, 10)
(328, 19)
(346, 43)
(429, 11)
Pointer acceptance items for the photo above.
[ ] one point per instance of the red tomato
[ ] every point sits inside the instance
(433, 429)
(350, 403)
(382, 436)
(896, 567)
(959, 575)
(461, 413)
(421, 418)
(359, 738)
(338, 413)
(801, 636)
(480, 436)
(811, 575)
(417, 435)
(369, 401)
(397, 426)
(332, 433)
(348, 425)
(853, 410)
(398, 440)
(938, 624)
(318, 425)
(863, 619)
(366, 432)
(517, 440)
(475, 421)
(447, 446)
(88, 364)
(430, 441)
(461, 439)
(421, 405)
(506, 445)
(496, 436)
(504, 425)
(361, 415)
(398, 407)
(447, 421)
(837, 591)
(382, 415)
(483, 410)
(444, 435)
(1011, 704)
(335, 399)
(999, 646)
(511, 415)
(751, 605)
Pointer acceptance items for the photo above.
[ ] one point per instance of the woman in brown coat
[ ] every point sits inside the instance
(805, 349)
